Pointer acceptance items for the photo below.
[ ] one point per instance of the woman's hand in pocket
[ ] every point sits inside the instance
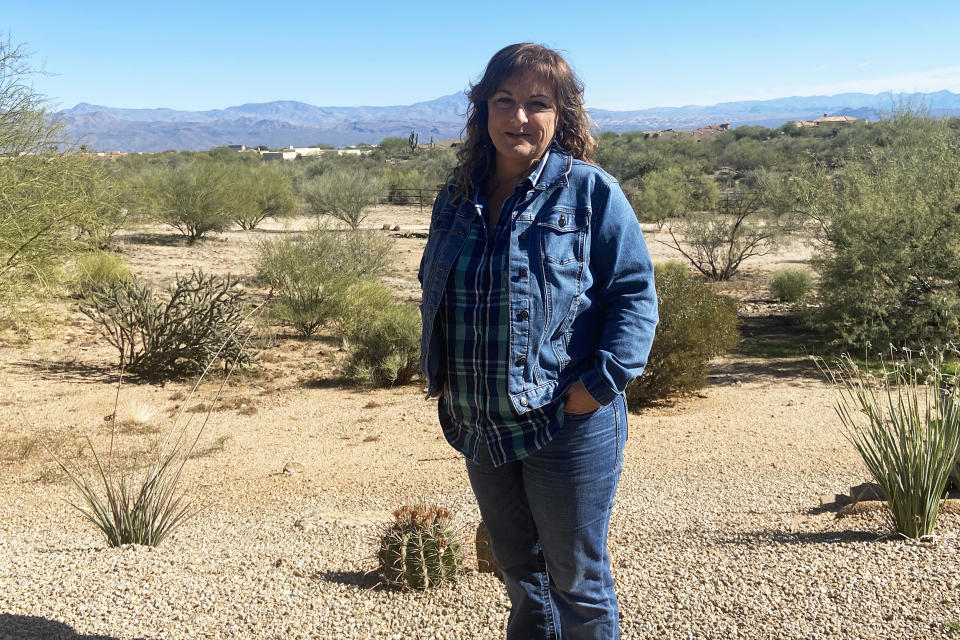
(579, 400)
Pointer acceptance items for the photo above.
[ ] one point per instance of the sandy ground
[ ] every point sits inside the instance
(719, 530)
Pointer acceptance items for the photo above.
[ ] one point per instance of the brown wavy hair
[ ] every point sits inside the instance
(476, 157)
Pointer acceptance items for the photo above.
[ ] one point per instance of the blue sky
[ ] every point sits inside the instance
(203, 55)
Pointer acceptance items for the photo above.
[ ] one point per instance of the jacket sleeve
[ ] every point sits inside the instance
(623, 276)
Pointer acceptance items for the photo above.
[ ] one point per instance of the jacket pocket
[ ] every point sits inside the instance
(562, 235)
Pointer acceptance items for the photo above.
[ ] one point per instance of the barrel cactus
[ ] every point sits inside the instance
(420, 548)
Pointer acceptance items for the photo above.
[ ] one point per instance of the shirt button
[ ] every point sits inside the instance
(524, 402)
(523, 236)
(522, 360)
(523, 315)
(523, 272)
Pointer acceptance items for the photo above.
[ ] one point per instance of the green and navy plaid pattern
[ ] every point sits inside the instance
(476, 334)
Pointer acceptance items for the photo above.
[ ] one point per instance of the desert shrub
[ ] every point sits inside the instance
(317, 273)
(696, 325)
(386, 349)
(716, 242)
(259, 192)
(672, 192)
(343, 193)
(193, 198)
(887, 219)
(177, 334)
(905, 424)
(420, 548)
(357, 302)
(790, 285)
(98, 270)
(399, 180)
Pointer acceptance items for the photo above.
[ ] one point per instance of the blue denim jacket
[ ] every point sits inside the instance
(582, 298)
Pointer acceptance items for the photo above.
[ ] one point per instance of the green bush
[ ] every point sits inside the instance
(318, 274)
(193, 198)
(420, 549)
(177, 334)
(343, 193)
(696, 325)
(790, 285)
(887, 219)
(259, 192)
(357, 302)
(386, 350)
(98, 270)
(905, 424)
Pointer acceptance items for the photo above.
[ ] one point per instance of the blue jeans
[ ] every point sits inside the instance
(548, 516)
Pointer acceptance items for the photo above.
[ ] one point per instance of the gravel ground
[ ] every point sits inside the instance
(718, 530)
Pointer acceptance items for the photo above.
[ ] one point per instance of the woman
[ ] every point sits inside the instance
(538, 309)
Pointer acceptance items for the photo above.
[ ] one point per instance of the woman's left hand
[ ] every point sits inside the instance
(579, 400)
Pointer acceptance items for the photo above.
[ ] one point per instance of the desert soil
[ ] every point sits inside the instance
(719, 529)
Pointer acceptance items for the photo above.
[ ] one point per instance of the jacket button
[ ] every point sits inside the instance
(523, 315)
(524, 402)
(523, 272)
(523, 236)
(522, 360)
(562, 221)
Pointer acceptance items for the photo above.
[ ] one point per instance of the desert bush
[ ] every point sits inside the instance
(170, 336)
(420, 549)
(386, 349)
(357, 302)
(259, 192)
(98, 270)
(193, 198)
(716, 242)
(343, 193)
(319, 273)
(696, 325)
(673, 192)
(887, 221)
(790, 284)
(905, 424)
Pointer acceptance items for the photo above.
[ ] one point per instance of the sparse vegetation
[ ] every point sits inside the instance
(320, 277)
(98, 270)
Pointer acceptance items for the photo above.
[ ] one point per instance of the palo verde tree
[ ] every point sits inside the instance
(50, 203)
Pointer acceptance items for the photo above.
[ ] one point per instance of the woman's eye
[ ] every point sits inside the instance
(539, 105)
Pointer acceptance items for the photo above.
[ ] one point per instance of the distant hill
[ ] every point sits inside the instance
(286, 122)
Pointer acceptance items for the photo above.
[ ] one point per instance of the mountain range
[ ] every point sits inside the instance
(285, 122)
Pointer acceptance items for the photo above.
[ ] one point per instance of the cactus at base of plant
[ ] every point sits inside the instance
(420, 548)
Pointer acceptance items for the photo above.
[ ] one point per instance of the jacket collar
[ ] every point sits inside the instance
(555, 170)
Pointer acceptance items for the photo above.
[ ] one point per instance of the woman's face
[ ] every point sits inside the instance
(521, 121)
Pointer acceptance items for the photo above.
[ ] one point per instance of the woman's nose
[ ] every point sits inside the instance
(520, 113)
